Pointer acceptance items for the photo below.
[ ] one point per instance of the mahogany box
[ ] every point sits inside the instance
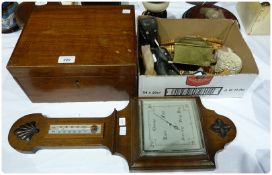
(77, 53)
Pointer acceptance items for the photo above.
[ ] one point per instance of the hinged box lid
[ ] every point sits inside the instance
(98, 40)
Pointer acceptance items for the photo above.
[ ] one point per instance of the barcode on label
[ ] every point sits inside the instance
(193, 91)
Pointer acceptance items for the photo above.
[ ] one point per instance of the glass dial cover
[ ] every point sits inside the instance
(170, 127)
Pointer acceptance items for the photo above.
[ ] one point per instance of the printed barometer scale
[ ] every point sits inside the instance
(147, 133)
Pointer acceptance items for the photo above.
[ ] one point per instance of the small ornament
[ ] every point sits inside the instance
(227, 61)
(26, 131)
(156, 6)
(220, 128)
(156, 9)
(148, 60)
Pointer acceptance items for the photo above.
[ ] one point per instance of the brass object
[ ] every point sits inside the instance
(170, 49)
(215, 42)
(193, 51)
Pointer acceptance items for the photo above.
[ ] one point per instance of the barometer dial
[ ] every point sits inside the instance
(170, 127)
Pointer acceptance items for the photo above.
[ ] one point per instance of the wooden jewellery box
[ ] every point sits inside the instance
(77, 53)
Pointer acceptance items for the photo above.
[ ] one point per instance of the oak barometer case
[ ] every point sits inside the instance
(150, 133)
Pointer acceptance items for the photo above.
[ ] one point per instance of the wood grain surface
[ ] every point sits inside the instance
(128, 145)
(102, 39)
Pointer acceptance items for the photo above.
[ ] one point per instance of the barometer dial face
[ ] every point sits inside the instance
(170, 127)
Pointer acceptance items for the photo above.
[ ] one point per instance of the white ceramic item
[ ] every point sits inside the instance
(155, 6)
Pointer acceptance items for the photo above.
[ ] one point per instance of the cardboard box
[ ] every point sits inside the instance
(208, 86)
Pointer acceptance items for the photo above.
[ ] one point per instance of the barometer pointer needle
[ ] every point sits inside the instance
(169, 123)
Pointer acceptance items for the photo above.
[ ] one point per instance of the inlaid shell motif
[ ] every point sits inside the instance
(26, 131)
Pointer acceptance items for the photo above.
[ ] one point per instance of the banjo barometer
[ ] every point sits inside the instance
(151, 133)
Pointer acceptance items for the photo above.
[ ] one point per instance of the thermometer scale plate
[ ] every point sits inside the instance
(75, 129)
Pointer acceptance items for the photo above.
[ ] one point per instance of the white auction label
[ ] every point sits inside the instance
(122, 131)
(126, 11)
(67, 59)
(122, 121)
(39, 3)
